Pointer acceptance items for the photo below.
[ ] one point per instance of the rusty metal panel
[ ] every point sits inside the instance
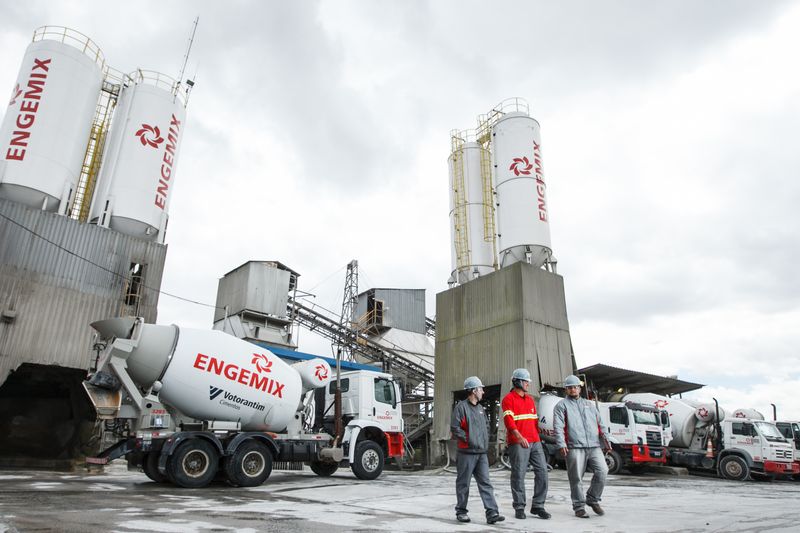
(57, 275)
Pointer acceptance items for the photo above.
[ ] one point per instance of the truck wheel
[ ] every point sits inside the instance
(323, 469)
(734, 467)
(150, 467)
(249, 466)
(368, 462)
(613, 461)
(193, 464)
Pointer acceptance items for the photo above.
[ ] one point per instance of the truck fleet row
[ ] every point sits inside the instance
(649, 429)
(188, 406)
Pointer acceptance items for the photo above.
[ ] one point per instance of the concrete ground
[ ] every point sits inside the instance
(118, 500)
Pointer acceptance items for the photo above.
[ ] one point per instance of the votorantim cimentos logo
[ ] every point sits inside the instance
(231, 400)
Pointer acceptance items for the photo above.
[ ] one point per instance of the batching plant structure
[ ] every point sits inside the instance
(506, 307)
(57, 272)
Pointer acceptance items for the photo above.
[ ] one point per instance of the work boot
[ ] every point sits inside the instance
(519, 514)
(581, 513)
(597, 509)
(464, 517)
(541, 513)
(494, 518)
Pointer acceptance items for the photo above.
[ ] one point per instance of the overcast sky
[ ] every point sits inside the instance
(318, 132)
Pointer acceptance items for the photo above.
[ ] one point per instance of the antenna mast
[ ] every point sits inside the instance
(188, 49)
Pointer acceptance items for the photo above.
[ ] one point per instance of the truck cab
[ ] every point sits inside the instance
(750, 445)
(371, 417)
(636, 434)
(791, 432)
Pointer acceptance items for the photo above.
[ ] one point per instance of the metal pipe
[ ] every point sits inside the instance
(774, 413)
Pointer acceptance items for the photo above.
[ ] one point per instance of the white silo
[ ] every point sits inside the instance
(46, 128)
(137, 176)
(471, 209)
(523, 220)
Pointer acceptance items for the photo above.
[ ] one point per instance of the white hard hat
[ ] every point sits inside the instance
(572, 381)
(521, 373)
(472, 382)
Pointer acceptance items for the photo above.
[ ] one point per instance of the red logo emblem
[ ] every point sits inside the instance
(321, 372)
(739, 415)
(703, 412)
(150, 135)
(14, 95)
(521, 166)
(262, 363)
(661, 403)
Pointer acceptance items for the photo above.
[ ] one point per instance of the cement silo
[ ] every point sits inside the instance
(471, 209)
(523, 221)
(137, 176)
(45, 132)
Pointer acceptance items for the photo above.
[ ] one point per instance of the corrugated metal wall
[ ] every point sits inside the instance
(515, 317)
(254, 286)
(54, 295)
(403, 308)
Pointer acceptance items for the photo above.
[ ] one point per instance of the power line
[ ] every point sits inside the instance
(101, 267)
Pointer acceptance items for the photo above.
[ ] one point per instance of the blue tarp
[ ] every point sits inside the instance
(294, 356)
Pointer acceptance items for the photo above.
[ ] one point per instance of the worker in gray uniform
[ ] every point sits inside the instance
(580, 438)
(470, 427)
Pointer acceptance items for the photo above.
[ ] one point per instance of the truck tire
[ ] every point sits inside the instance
(734, 467)
(368, 461)
(193, 464)
(613, 461)
(323, 469)
(150, 467)
(249, 466)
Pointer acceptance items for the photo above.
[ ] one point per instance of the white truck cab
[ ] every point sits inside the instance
(635, 433)
(754, 445)
(371, 416)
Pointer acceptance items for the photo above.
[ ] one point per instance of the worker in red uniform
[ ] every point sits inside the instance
(524, 445)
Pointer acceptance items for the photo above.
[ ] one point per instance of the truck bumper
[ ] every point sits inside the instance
(646, 454)
(774, 467)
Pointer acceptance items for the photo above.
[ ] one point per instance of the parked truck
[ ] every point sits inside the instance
(634, 431)
(188, 406)
(790, 429)
(736, 447)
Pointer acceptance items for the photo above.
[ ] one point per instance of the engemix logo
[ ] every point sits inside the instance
(321, 372)
(521, 166)
(235, 373)
(16, 93)
(150, 135)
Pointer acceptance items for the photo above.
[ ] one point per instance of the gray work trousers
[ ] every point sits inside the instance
(578, 460)
(469, 465)
(520, 458)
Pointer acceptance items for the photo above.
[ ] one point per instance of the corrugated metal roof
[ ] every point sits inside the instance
(603, 376)
(57, 275)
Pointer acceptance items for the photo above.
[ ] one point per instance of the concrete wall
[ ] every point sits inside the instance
(515, 317)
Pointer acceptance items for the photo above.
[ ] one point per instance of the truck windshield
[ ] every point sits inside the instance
(646, 417)
(769, 431)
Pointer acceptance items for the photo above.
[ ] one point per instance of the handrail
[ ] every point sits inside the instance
(72, 37)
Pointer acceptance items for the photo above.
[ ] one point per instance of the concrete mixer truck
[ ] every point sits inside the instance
(188, 406)
(634, 431)
(735, 447)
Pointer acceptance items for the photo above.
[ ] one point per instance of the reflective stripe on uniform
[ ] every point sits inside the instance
(508, 413)
(525, 417)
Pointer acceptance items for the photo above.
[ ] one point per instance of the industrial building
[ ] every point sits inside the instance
(86, 178)
(87, 169)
